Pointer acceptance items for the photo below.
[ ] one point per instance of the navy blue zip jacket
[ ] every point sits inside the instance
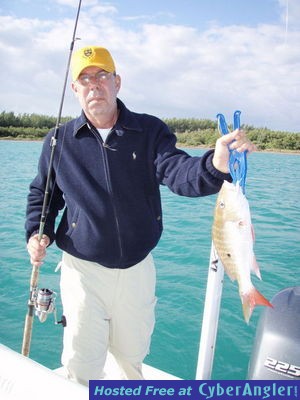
(110, 191)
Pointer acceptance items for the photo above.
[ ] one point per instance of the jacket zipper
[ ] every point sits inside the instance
(104, 147)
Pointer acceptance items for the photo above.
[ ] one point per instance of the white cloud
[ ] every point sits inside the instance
(94, 6)
(167, 70)
(290, 13)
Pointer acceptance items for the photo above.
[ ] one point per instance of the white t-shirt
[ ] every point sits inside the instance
(104, 133)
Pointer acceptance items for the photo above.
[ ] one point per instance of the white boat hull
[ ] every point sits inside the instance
(23, 378)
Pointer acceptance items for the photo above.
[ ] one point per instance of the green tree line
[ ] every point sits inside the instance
(203, 132)
(26, 126)
(189, 131)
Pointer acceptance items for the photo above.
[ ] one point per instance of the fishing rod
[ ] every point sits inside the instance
(43, 300)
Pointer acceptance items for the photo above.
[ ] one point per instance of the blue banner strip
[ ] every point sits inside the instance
(195, 390)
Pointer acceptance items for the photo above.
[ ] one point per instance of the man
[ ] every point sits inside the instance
(107, 169)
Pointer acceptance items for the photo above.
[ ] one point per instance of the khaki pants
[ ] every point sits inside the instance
(106, 309)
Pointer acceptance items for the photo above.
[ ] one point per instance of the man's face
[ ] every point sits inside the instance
(97, 91)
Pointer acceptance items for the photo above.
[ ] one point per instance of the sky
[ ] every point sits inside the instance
(177, 59)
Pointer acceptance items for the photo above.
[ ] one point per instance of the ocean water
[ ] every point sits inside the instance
(182, 259)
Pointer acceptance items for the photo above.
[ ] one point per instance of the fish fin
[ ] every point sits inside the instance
(253, 233)
(250, 300)
(255, 268)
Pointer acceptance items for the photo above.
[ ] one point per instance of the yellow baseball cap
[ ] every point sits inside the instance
(91, 56)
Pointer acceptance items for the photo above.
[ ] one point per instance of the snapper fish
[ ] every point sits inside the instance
(233, 238)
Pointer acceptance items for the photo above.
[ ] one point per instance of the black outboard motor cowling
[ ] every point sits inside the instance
(276, 350)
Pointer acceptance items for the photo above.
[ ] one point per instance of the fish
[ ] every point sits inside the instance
(233, 239)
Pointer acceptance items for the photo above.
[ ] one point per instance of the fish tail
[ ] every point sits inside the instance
(250, 300)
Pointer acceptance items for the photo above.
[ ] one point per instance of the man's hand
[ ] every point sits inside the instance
(37, 249)
(235, 140)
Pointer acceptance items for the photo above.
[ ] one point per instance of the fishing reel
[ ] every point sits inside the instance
(44, 304)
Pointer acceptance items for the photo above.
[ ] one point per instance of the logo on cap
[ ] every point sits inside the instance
(88, 52)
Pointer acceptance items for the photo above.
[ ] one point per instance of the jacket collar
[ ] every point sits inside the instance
(127, 121)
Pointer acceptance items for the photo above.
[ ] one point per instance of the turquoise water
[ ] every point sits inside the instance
(182, 259)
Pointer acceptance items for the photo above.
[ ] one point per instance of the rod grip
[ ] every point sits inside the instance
(27, 332)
